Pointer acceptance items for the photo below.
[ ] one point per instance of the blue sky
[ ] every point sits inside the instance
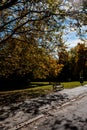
(70, 34)
(73, 39)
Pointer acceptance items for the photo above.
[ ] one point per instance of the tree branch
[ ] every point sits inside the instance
(8, 4)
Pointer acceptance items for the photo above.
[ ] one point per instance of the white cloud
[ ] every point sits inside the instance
(73, 43)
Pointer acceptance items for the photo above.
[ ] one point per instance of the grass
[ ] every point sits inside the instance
(15, 96)
(44, 86)
(9, 97)
(69, 85)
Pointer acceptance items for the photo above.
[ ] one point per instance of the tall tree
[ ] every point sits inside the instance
(80, 59)
(21, 61)
(77, 59)
(38, 23)
(28, 17)
(38, 17)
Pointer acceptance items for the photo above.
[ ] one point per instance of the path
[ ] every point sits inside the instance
(71, 116)
(59, 112)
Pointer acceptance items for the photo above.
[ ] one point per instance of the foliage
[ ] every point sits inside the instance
(31, 32)
(39, 17)
(77, 59)
(75, 63)
(26, 17)
(80, 59)
(28, 61)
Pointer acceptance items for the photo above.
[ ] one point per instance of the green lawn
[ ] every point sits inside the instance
(41, 89)
(74, 84)
(45, 86)
(67, 85)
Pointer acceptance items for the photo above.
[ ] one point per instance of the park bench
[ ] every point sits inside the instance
(57, 86)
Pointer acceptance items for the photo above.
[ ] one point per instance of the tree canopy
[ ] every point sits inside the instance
(32, 34)
(39, 17)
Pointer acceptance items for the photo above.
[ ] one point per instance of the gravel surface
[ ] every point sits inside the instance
(71, 117)
(59, 110)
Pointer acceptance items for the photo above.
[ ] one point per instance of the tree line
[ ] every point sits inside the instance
(32, 46)
(21, 63)
(75, 63)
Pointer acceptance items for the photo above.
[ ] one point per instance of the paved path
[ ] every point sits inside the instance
(72, 93)
(72, 116)
(62, 112)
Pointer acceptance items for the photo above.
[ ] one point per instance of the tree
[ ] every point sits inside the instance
(28, 17)
(80, 59)
(38, 17)
(6, 4)
(72, 63)
(38, 27)
(20, 62)
(77, 60)
(54, 68)
(63, 59)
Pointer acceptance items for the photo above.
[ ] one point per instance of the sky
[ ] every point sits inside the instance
(72, 39)
(73, 42)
